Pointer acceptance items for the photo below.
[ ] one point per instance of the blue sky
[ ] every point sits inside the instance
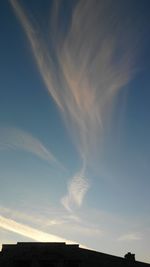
(74, 124)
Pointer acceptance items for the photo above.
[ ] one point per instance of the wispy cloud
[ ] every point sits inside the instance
(36, 219)
(70, 222)
(130, 237)
(21, 216)
(89, 73)
(77, 189)
(91, 62)
(14, 138)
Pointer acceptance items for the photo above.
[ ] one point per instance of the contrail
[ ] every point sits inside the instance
(32, 233)
(91, 62)
(29, 232)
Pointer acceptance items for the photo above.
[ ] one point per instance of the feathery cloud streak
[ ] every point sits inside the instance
(91, 62)
(94, 61)
(130, 237)
(13, 138)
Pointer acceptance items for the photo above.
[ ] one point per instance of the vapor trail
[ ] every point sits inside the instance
(29, 232)
(91, 62)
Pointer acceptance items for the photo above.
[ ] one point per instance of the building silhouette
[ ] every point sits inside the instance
(61, 255)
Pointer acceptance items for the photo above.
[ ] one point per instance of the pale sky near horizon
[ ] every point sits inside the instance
(75, 123)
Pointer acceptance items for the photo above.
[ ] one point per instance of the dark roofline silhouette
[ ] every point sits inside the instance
(55, 254)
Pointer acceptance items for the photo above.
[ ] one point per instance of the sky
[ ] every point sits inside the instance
(74, 123)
